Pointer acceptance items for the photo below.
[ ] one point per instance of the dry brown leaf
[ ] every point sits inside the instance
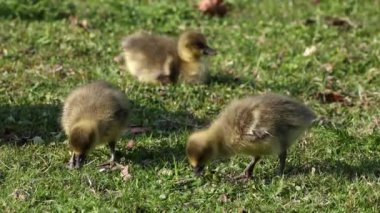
(131, 144)
(213, 7)
(138, 129)
(108, 166)
(330, 97)
(124, 170)
(333, 97)
(335, 21)
(125, 173)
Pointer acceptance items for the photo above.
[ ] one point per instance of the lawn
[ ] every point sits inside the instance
(326, 54)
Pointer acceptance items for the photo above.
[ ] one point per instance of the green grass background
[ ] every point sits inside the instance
(335, 167)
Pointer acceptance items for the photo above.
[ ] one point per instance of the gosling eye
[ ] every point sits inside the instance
(199, 45)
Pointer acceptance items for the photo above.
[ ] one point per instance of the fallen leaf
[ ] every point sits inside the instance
(20, 194)
(335, 21)
(124, 170)
(131, 144)
(328, 67)
(109, 166)
(74, 21)
(310, 50)
(223, 198)
(84, 24)
(125, 173)
(137, 129)
(213, 7)
(332, 97)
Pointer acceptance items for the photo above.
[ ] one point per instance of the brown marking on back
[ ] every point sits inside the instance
(243, 121)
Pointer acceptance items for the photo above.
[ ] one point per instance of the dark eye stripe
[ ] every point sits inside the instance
(199, 44)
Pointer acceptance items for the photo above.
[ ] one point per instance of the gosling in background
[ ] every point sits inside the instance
(94, 114)
(162, 59)
(257, 125)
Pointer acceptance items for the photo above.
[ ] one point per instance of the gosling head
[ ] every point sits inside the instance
(82, 138)
(199, 151)
(192, 46)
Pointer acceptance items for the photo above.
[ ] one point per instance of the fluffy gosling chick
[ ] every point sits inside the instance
(161, 59)
(93, 114)
(257, 125)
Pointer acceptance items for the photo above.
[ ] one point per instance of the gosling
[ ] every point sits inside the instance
(94, 114)
(256, 126)
(162, 59)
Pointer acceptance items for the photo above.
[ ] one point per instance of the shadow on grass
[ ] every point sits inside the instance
(2, 177)
(20, 124)
(154, 156)
(161, 122)
(365, 167)
(229, 80)
(36, 10)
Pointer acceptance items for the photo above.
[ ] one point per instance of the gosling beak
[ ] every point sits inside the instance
(79, 160)
(198, 170)
(208, 51)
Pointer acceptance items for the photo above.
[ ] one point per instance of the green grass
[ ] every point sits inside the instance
(334, 168)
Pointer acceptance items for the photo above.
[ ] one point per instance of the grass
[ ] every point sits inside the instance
(334, 168)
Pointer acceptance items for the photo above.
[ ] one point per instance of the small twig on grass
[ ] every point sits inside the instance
(184, 181)
(4, 164)
(182, 124)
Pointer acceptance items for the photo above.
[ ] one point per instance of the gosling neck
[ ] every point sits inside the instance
(219, 136)
(186, 55)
